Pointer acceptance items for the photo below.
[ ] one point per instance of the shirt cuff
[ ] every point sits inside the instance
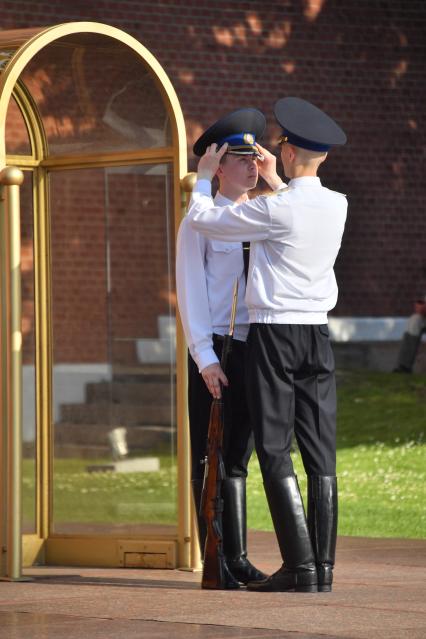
(204, 187)
(281, 186)
(206, 358)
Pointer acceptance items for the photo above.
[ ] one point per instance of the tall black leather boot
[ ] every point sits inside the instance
(322, 523)
(298, 571)
(407, 353)
(197, 488)
(234, 520)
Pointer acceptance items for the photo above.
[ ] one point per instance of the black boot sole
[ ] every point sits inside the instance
(274, 585)
(295, 589)
(306, 589)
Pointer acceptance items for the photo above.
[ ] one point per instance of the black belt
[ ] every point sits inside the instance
(220, 338)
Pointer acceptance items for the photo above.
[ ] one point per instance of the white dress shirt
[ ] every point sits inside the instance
(206, 271)
(295, 237)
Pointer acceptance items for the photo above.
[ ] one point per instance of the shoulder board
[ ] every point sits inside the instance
(271, 193)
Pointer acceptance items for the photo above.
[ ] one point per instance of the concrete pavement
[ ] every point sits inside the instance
(379, 593)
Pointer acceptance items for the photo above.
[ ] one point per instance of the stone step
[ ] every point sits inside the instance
(116, 414)
(143, 373)
(95, 436)
(129, 392)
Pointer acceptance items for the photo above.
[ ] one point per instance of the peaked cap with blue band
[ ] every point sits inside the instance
(239, 129)
(306, 126)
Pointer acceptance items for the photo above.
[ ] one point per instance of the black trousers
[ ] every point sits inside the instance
(291, 388)
(238, 440)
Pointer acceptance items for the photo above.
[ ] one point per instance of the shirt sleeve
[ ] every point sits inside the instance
(249, 221)
(191, 287)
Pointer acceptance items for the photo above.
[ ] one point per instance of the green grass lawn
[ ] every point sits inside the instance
(381, 458)
(107, 497)
(381, 461)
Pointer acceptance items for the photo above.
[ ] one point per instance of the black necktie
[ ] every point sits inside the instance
(246, 258)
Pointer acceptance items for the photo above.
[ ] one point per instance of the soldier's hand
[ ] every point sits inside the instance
(213, 376)
(268, 167)
(209, 163)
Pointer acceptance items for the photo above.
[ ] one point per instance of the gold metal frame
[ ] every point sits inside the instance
(44, 545)
(11, 366)
(187, 184)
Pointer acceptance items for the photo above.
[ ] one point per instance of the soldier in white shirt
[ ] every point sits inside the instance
(206, 271)
(295, 237)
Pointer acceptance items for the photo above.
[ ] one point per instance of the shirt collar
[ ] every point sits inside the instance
(221, 200)
(307, 180)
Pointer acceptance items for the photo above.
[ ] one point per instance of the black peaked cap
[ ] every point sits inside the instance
(246, 120)
(306, 126)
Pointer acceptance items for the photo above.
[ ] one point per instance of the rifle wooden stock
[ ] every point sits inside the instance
(216, 573)
(211, 502)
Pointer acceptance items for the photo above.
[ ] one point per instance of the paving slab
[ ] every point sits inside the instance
(39, 626)
(379, 593)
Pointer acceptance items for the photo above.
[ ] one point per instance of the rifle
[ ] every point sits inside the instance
(216, 575)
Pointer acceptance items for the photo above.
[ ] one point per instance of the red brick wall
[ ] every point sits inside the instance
(361, 60)
(79, 296)
(89, 319)
(139, 236)
(27, 268)
(89, 324)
